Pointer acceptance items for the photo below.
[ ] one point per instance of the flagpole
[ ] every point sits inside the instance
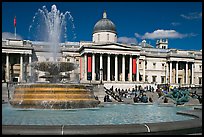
(14, 22)
(15, 31)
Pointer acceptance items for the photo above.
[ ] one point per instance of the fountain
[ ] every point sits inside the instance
(179, 96)
(54, 94)
(43, 108)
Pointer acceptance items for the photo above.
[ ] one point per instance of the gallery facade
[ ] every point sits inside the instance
(105, 60)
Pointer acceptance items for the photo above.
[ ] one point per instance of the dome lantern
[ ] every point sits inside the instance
(104, 30)
(104, 15)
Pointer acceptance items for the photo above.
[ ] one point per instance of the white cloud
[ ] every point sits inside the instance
(127, 40)
(8, 35)
(157, 34)
(192, 15)
(175, 23)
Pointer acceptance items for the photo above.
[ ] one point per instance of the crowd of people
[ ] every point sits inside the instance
(139, 94)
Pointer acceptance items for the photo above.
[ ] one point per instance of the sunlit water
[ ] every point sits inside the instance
(51, 26)
(110, 114)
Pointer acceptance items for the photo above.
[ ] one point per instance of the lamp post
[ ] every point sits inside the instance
(101, 74)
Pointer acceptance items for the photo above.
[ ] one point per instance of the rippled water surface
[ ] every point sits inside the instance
(108, 115)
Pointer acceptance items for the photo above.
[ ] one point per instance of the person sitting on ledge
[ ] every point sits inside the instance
(135, 99)
(150, 99)
(165, 100)
(144, 98)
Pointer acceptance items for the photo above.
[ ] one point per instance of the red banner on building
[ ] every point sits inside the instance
(89, 63)
(134, 66)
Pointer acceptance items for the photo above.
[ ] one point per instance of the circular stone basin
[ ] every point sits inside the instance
(109, 114)
(53, 96)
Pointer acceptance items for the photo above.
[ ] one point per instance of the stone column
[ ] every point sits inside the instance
(143, 70)
(176, 72)
(30, 68)
(166, 72)
(93, 67)
(21, 67)
(186, 72)
(116, 67)
(7, 68)
(192, 79)
(108, 68)
(137, 69)
(130, 69)
(101, 66)
(123, 67)
(170, 73)
(85, 66)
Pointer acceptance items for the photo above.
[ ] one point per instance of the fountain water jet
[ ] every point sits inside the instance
(51, 25)
(53, 95)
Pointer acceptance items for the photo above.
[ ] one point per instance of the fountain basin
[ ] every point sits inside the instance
(53, 96)
(109, 119)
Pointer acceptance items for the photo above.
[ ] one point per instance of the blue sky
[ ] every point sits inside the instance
(180, 22)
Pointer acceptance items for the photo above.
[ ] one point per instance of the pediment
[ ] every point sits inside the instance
(113, 46)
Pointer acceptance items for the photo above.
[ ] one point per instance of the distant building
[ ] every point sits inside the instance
(104, 59)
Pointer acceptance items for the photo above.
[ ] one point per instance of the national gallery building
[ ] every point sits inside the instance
(104, 60)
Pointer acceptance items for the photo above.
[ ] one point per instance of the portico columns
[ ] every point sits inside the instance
(123, 67)
(170, 73)
(108, 67)
(85, 66)
(166, 72)
(116, 67)
(186, 72)
(192, 79)
(21, 67)
(7, 68)
(101, 66)
(130, 69)
(93, 67)
(137, 68)
(30, 68)
(176, 72)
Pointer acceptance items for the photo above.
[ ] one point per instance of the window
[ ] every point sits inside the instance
(154, 78)
(162, 79)
(200, 67)
(154, 65)
(162, 65)
(145, 64)
(107, 37)
(24, 42)
(200, 80)
(68, 60)
(146, 78)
